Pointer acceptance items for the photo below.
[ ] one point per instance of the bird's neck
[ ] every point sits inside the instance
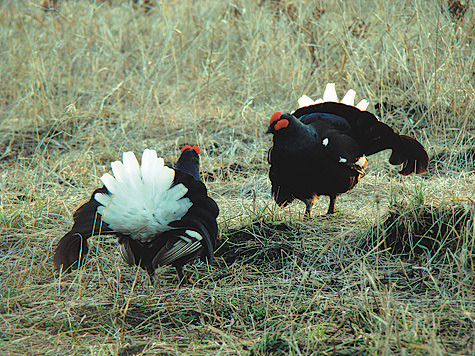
(296, 137)
(188, 165)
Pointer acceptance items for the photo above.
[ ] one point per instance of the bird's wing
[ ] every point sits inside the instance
(374, 136)
(72, 247)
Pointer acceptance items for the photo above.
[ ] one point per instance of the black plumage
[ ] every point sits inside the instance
(193, 235)
(321, 149)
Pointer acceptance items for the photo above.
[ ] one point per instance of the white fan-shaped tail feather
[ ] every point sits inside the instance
(142, 201)
(128, 170)
(304, 100)
(349, 98)
(150, 162)
(363, 104)
(330, 95)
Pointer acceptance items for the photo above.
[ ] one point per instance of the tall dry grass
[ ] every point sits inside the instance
(84, 83)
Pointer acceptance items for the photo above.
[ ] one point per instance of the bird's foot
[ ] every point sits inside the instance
(184, 278)
(358, 169)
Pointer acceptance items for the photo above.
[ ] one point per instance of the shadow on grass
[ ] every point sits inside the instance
(262, 244)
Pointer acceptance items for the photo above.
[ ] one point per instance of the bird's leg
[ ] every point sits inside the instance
(126, 251)
(181, 277)
(308, 207)
(331, 207)
(151, 273)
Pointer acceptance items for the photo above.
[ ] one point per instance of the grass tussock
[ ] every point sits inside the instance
(431, 230)
(87, 80)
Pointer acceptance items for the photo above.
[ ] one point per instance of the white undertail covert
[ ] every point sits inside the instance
(142, 201)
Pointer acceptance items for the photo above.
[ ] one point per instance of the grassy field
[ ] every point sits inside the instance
(84, 83)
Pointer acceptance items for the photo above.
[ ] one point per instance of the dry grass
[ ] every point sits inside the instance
(85, 82)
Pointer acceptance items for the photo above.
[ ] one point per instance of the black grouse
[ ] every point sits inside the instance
(321, 149)
(160, 215)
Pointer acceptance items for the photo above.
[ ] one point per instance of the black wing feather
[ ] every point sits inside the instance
(72, 248)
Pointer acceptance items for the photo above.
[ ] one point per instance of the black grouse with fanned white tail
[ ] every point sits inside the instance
(321, 148)
(160, 215)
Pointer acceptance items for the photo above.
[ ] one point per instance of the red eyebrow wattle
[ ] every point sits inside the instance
(275, 116)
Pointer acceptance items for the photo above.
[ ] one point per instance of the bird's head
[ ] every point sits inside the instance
(280, 122)
(196, 149)
(190, 154)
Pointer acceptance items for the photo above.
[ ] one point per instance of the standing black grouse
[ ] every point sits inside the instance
(321, 148)
(161, 216)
